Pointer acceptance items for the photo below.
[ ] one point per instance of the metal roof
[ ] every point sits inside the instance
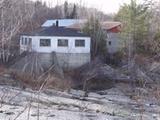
(79, 23)
(106, 25)
(62, 22)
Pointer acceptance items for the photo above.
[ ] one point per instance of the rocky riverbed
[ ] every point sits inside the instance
(117, 103)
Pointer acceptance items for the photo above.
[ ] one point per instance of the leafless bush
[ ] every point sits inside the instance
(25, 79)
(49, 81)
(58, 83)
(3, 69)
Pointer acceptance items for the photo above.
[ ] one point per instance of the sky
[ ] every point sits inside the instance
(107, 6)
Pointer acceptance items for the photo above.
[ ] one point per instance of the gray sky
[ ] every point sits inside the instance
(107, 6)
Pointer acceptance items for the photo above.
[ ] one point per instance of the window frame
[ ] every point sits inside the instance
(78, 44)
(48, 45)
(61, 44)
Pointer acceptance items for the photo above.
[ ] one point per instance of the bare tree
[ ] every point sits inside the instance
(14, 14)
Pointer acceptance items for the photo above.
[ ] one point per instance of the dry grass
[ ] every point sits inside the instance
(26, 80)
(54, 82)
(50, 81)
(3, 69)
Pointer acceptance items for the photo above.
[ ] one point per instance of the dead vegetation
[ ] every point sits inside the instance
(32, 72)
(98, 72)
(95, 75)
(49, 80)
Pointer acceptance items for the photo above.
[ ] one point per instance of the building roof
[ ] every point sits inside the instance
(68, 27)
(62, 22)
(57, 31)
(79, 23)
(76, 26)
(107, 25)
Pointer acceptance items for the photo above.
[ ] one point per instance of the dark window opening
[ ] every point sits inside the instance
(109, 43)
(45, 42)
(30, 41)
(25, 41)
(22, 41)
(80, 43)
(63, 42)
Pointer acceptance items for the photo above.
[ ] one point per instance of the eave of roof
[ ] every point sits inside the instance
(107, 25)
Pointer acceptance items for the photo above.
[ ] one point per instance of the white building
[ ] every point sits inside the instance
(72, 47)
(64, 37)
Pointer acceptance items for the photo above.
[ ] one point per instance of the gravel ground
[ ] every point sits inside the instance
(112, 104)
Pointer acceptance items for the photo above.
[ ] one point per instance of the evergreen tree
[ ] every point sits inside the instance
(98, 37)
(74, 12)
(66, 10)
(135, 20)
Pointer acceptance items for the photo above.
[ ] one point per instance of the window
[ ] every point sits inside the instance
(25, 41)
(30, 41)
(45, 42)
(63, 42)
(22, 41)
(109, 43)
(80, 43)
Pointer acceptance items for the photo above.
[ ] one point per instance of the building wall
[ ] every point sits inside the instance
(23, 47)
(72, 60)
(70, 49)
(113, 42)
(67, 57)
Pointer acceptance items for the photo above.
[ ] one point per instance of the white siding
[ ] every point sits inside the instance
(23, 47)
(54, 47)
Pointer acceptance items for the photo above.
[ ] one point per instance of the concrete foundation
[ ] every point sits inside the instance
(46, 59)
(72, 60)
(34, 62)
(64, 60)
